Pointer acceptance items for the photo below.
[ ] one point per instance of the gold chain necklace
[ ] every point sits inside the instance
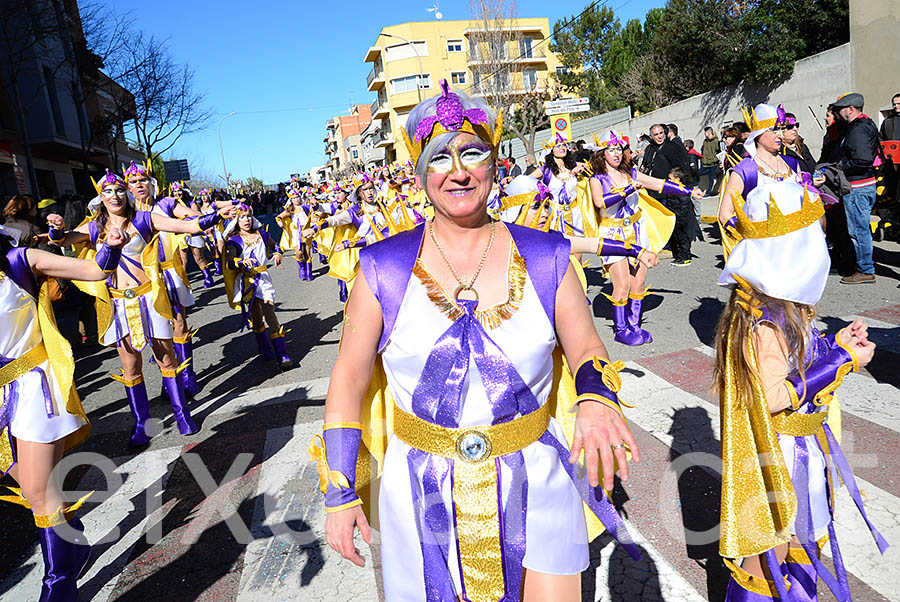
(772, 172)
(463, 284)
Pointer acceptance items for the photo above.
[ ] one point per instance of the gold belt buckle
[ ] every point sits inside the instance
(129, 293)
(473, 446)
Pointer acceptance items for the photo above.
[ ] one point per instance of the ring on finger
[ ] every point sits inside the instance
(618, 446)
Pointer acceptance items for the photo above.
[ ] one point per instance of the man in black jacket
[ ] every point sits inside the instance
(859, 149)
(890, 128)
(670, 156)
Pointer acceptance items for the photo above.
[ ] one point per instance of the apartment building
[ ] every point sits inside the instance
(408, 61)
(343, 139)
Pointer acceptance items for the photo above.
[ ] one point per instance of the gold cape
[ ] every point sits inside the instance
(62, 364)
(656, 219)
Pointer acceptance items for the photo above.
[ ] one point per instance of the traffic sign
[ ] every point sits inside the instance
(567, 105)
(562, 124)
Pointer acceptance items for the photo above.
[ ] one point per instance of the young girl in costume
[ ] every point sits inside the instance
(776, 376)
(41, 416)
(248, 249)
(195, 242)
(133, 309)
(614, 188)
(294, 218)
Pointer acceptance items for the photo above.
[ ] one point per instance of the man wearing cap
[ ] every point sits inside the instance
(859, 149)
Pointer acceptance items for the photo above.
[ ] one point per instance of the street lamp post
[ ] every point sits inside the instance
(418, 58)
(222, 151)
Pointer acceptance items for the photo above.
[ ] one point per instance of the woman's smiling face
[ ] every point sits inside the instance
(459, 177)
(115, 198)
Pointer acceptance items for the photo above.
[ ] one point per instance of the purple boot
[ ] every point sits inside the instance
(301, 270)
(136, 393)
(175, 389)
(633, 315)
(623, 331)
(281, 352)
(309, 268)
(184, 352)
(218, 265)
(65, 550)
(207, 277)
(264, 343)
(342, 291)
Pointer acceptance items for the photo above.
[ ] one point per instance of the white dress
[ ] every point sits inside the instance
(555, 526)
(565, 216)
(265, 287)
(20, 332)
(633, 233)
(154, 324)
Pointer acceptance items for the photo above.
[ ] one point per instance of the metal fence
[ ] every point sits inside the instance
(581, 129)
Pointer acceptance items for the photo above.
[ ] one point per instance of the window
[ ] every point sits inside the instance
(408, 84)
(454, 45)
(525, 48)
(529, 79)
(355, 153)
(562, 70)
(54, 101)
(457, 77)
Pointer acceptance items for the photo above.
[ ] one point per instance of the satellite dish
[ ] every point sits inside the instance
(438, 15)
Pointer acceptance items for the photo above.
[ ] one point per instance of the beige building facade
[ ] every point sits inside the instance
(409, 59)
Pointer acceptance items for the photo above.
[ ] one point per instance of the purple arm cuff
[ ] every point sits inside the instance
(589, 382)
(342, 445)
(675, 189)
(824, 372)
(208, 221)
(618, 248)
(361, 242)
(611, 198)
(56, 235)
(108, 258)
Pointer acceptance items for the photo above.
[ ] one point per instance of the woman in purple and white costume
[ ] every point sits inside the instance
(248, 250)
(499, 512)
(559, 173)
(133, 309)
(195, 242)
(40, 409)
(614, 189)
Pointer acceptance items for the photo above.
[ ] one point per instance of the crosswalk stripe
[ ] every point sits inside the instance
(659, 400)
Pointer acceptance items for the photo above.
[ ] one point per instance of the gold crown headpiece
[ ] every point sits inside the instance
(558, 139)
(144, 168)
(767, 120)
(451, 116)
(244, 209)
(777, 223)
(107, 179)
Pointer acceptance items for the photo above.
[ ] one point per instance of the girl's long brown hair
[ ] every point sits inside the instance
(792, 321)
(599, 166)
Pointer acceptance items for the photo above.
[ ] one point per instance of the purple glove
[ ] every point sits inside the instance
(342, 442)
(675, 189)
(611, 198)
(829, 368)
(598, 379)
(207, 221)
(617, 248)
(56, 235)
(108, 258)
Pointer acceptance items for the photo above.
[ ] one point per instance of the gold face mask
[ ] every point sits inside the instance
(464, 152)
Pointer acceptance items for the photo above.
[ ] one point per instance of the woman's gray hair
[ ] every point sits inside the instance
(428, 108)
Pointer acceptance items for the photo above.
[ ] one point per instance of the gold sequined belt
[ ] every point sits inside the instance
(130, 293)
(798, 424)
(23, 364)
(620, 222)
(167, 265)
(471, 444)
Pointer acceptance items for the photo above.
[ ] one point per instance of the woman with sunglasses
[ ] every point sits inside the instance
(792, 145)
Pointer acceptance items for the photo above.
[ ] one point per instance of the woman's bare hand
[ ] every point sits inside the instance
(601, 432)
(340, 527)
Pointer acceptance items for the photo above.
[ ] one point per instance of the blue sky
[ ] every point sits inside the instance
(262, 58)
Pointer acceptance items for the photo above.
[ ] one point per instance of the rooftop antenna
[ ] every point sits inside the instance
(436, 9)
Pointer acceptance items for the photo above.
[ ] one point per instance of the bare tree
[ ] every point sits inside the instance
(167, 104)
(501, 74)
(28, 29)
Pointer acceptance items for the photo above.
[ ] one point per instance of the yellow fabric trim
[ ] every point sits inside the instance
(353, 504)
(639, 295)
(130, 293)
(342, 425)
(17, 497)
(475, 490)
(798, 556)
(128, 383)
(620, 222)
(617, 302)
(45, 521)
(798, 424)
(756, 585)
(23, 364)
(599, 399)
(176, 371)
(777, 223)
(792, 393)
(505, 438)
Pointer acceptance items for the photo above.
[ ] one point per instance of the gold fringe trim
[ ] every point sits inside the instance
(489, 318)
